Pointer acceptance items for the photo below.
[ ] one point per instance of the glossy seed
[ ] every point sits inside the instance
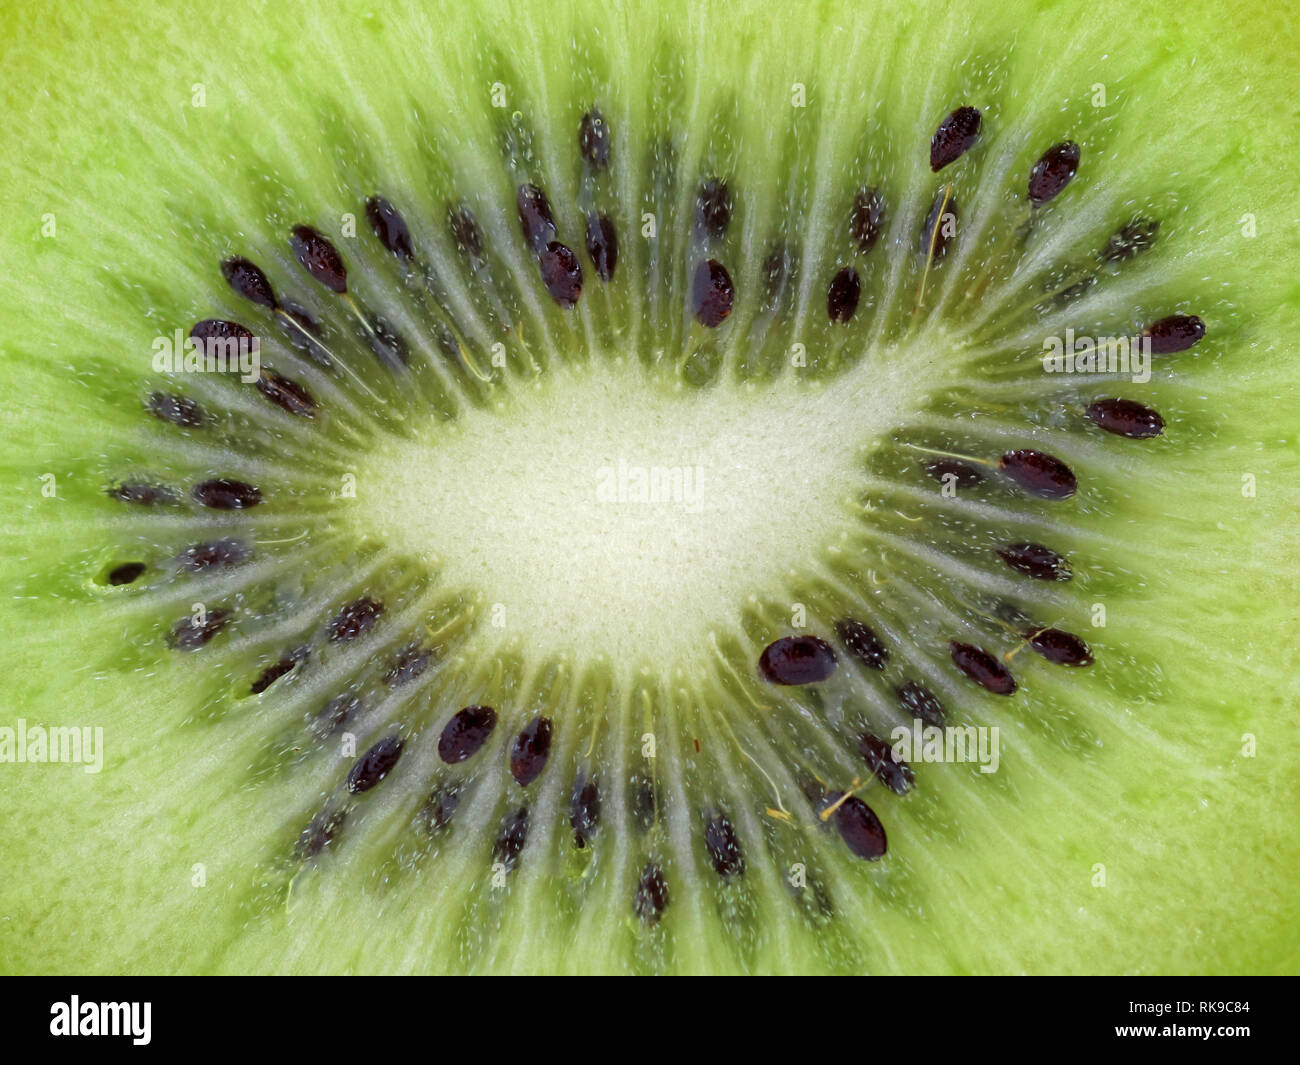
(862, 643)
(961, 474)
(882, 760)
(1035, 560)
(531, 749)
(1039, 474)
(602, 244)
(464, 230)
(357, 617)
(1124, 417)
(374, 765)
(651, 897)
(713, 208)
(390, 227)
(843, 295)
(1129, 240)
(1176, 333)
(271, 674)
(593, 139)
(797, 660)
(465, 733)
(320, 832)
(125, 573)
(1054, 170)
(561, 273)
(955, 136)
(584, 811)
(509, 844)
(723, 847)
(176, 409)
(143, 495)
(222, 493)
(920, 702)
(247, 279)
(205, 556)
(221, 340)
(712, 293)
(983, 668)
(866, 219)
(189, 634)
(409, 664)
(287, 395)
(940, 226)
(319, 258)
(859, 827)
(1063, 648)
(535, 217)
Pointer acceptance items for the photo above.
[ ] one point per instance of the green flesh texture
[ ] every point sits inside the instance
(1143, 815)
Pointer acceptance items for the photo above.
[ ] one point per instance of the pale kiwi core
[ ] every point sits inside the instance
(604, 513)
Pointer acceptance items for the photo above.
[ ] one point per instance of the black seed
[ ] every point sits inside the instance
(531, 749)
(514, 834)
(535, 217)
(713, 207)
(797, 660)
(441, 806)
(921, 703)
(286, 394)
(967, 476)
(859, 827)
(983, 668)
(319, 258)
(465, 733)
(271, 674)
(335, 714)
(355, 618)
(561, 273)
(584, 811)
(220, 339)
(643, 804)
(1054, 170)
(374, 765)
(1178, 332)
(189, 635)
(1130, 240)
(1063, 648)
(1035, 560)
(593, 139)
(408, 665)
(1124, 417)
(651, 894)
(940, 225)
(712, 293)
(176, 409)
(465, 231)
(954, 137)
(309, 343)
(213, 553)
(723, 847)
(893, 772)
(320, 832)
(390, 227)
(125, 573)
(145, 495)
(866, 219)
(1039, 474)
(602, 244)
(249, 281)
(843, 295)
(224, 494)
(776, 268)
(862, 643)
(384, 340)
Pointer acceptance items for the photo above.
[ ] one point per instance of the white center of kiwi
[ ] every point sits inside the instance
(607, 511)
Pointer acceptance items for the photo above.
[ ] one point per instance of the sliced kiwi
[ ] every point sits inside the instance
(650, 433)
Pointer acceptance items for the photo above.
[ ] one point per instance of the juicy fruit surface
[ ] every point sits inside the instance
(498, 805)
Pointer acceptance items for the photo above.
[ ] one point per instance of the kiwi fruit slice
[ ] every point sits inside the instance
(649, 421)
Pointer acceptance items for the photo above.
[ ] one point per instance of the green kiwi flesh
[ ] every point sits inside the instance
(537, 607)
